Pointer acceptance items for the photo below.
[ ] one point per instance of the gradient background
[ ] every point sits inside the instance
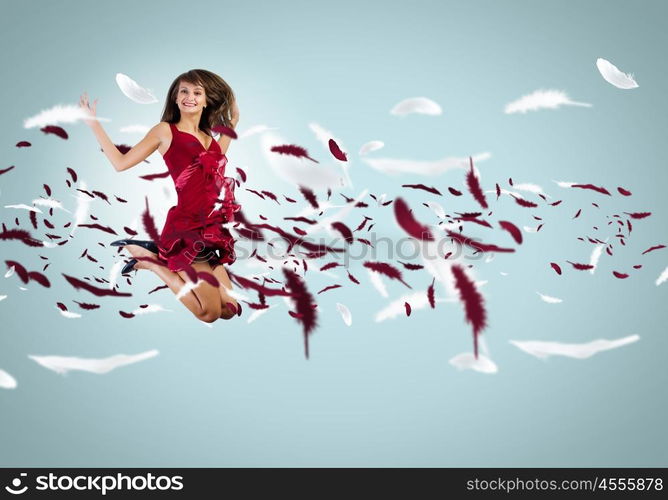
(375, 394)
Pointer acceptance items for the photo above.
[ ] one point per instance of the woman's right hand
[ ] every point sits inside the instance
(83, 104)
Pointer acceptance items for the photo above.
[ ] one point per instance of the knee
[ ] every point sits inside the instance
(208, 316)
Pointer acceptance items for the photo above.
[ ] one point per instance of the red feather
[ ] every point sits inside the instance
(222, 129)
(411, 267)
(408, 223)
(623, 191)
(85, 305)
(513, 230)
(72, 173)
(20, 271)
(344, 230)
(386, 269)
(408, 308)
(423, 187)
(655, 247)
(336, 151)
(55, 130)
(330, 265)
(473, 303)
(601, 190)
(430, 294)
(638, 215)
(580, 267)
(39, 278)
(149, 224)
(556, 267)
(22, 235)
(292, 150)
(621, 276)
(304, 304)
(100, 292)
(474, 186)
(482, 247)
(150, 177)
(524, 203)
(246, 283)
(330, 287)
(309, 196)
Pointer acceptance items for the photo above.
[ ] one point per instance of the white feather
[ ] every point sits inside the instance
(255, 129)
(82, 209)
(377, 282)
(324, 136)
(133, 90)
(663, 277)
(345, 314)
(69, 314)
(541, 99)
(134, 129)
(6, 380)
(505, 191)
(543, 350)
(394, 166)
(3, 297)
(10, 271)
(548, 299)
(370, 146)
(49, 202)
(532, 188)
(436, 208)
(467, 361)
(61, 364)
(151, 308)
(417, 300)
(59, 114)
(25, 207)
(565, 184)
(420, 105)
(595, 256)
(614, 76)
(257, 313)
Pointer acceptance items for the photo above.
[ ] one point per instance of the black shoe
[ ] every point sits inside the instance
(130, 266)
(147, 244)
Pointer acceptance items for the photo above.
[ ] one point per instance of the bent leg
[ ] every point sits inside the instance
(170, 278)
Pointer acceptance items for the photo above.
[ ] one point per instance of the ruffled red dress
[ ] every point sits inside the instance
(193, 229)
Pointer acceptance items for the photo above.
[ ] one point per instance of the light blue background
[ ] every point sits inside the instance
(375, 394)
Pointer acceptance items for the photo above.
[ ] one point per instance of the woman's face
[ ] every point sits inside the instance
(190, 98)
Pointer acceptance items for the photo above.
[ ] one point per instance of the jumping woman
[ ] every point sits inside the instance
(193, 234)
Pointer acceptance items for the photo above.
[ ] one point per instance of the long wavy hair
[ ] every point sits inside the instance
(219, 99)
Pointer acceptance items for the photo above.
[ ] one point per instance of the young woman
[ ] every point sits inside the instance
(193, 234)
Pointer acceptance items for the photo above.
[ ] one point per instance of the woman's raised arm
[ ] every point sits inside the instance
(142, 150)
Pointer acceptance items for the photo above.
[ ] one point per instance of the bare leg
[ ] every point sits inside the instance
(173, 280)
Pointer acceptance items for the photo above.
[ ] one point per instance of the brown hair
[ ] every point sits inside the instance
(219, 99)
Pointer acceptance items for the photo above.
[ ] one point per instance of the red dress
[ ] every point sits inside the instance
(193, 229)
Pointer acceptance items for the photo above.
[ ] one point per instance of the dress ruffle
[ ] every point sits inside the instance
(196, 232)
